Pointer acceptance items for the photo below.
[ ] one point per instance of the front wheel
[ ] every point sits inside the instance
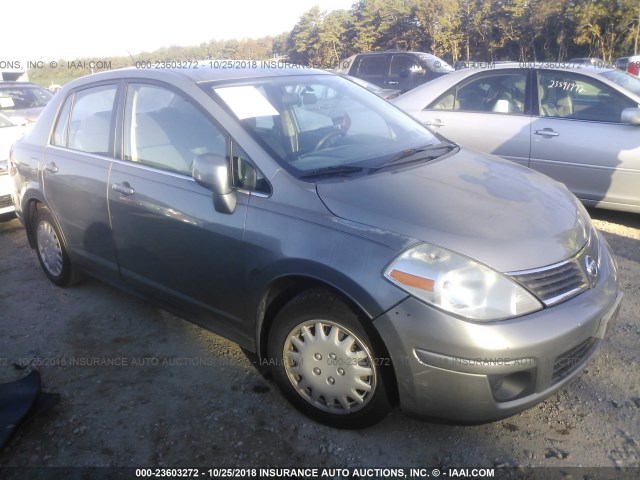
(324, 362)
(51, 250)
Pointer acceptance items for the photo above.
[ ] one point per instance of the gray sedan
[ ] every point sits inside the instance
(364, 260)
(580, 126)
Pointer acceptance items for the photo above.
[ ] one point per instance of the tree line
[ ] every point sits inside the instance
(486, 30)
(470, 30)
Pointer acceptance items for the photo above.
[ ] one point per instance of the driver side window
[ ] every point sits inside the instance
(164, 130)
(569, 95)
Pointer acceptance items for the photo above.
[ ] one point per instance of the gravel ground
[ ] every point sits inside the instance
(184, 397)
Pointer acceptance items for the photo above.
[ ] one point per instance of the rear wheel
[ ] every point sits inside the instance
(324, 362)
(51, 250)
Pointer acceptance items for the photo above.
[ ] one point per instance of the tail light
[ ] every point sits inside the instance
(634, 68)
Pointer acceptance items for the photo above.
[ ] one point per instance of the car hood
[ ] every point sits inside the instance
(29, 114)
(494, 211)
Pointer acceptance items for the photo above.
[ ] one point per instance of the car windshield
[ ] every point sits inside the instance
(436, 64)
(19, 97)
(321, 123)
(624, 79)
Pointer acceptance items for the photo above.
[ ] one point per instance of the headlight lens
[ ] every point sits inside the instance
(459, 285)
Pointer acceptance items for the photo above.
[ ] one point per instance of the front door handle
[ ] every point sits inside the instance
(51, 167)
(123, 188)
(547, 132)
(435, 123)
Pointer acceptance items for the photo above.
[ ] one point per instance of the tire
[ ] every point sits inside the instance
(51, 250)
(324, 363)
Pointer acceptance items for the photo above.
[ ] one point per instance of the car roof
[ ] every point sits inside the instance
(205, 71)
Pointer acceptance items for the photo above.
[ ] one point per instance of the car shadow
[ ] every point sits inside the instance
(623, 245)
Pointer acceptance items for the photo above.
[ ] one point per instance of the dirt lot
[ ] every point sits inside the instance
(184, 397)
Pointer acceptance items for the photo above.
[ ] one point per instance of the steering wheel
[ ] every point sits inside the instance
(327, 139)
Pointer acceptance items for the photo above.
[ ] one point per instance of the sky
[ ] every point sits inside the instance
(70, 29)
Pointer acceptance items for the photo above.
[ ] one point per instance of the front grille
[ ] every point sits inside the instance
(558, 282)
(555, 283)
(5, 201)
(572, 359)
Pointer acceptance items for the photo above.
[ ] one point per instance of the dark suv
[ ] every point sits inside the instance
(395, 69)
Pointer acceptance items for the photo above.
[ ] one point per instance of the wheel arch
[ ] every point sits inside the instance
(284, 289)
(31, 206)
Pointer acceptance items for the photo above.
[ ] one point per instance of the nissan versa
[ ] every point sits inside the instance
(366, 260)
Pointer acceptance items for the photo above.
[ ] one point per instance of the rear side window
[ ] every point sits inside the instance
(89, 127)
(370, 65)
(495, 93)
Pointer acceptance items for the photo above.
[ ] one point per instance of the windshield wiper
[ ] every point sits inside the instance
(335, 170)
(428, 152)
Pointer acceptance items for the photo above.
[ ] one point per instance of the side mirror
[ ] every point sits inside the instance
(212, 172)
(630, 115)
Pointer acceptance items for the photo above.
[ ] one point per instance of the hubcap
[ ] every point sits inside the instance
(49, 248)
(330, 366)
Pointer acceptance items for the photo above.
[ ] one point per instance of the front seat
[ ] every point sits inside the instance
(547, 109)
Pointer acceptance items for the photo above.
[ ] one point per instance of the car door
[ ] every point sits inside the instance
(171, 242)
(578, 138)
(405, 72)
(488, 112)
(75, 172)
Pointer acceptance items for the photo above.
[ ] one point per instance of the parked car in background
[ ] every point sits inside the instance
(395, 69)
(362, 258)
(592, 61)
(629, 64)
(578, 126)
(9, 133)
(386, 93)
(21, 100)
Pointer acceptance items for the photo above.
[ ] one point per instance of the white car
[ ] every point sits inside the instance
(9, 133)
(629, 64)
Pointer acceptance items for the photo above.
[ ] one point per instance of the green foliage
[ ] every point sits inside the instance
(484, 30)
(472, 29)
(246, 49)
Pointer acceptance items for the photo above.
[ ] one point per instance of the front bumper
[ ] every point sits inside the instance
(475, 372)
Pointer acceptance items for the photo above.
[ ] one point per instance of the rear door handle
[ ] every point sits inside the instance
(51, 167)
(435, 123)
(392, 82)
(547, 132)
(123, 188)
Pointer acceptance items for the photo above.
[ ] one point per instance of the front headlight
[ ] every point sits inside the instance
(459, 285)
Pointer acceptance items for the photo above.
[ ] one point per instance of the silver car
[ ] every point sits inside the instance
(580, 126)
(22, 102)
(366, 261)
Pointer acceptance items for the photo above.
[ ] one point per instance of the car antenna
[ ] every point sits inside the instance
(133, 60)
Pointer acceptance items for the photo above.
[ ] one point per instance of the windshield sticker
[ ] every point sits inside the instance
(6, 102)
(246, 101)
